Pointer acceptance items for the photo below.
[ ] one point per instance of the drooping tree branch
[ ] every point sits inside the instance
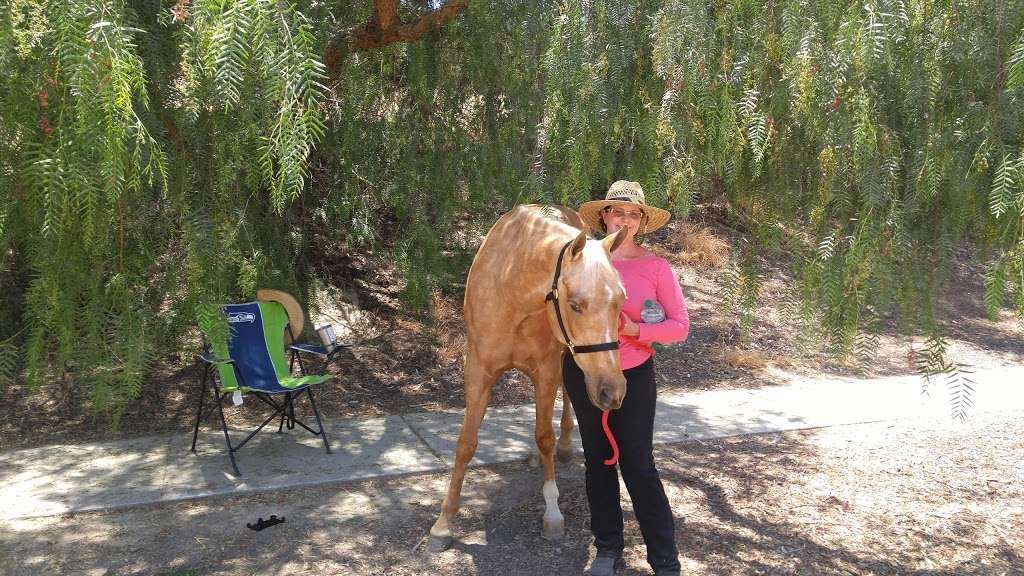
(386, 28)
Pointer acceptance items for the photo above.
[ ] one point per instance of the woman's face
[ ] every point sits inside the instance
(616, 217)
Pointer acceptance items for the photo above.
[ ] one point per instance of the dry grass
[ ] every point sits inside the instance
(739, 358)
(447, 327)
(700, 246)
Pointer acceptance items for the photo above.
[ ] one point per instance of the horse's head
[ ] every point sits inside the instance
(590, 296)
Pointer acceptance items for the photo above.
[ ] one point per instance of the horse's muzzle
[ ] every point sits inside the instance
(608, 396)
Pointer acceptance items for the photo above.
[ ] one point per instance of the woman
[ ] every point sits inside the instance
(645, 277)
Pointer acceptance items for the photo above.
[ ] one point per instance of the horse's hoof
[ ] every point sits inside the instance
(564, 455)
(437, 544)
(554, 529)
(534, 460)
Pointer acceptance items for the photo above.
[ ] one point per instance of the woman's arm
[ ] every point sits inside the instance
(676, 326)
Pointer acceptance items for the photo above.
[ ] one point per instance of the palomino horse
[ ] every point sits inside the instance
(537, 287)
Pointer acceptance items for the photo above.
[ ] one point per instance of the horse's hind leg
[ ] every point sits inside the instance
(564, 447)
(478, 384)
(564, 451)
(546, 381)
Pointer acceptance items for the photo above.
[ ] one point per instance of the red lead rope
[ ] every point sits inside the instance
(611, 440)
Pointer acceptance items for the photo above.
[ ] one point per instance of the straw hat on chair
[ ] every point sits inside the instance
(291, 306)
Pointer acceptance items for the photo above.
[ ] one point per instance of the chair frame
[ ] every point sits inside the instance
(285, 409)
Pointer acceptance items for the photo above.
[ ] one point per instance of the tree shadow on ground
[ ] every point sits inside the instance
(739, 525)
(731, 519)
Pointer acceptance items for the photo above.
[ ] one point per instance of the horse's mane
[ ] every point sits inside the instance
(561, 214)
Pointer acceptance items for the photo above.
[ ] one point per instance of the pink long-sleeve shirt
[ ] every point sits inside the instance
(650, 277)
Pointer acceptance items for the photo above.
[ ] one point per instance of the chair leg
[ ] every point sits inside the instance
(199, 413)
(291, 410)
(302, 367)
(224, 426)
(281, 425)
(319, 422)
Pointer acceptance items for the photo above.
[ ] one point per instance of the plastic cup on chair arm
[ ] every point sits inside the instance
(328, 346)
(327, 336)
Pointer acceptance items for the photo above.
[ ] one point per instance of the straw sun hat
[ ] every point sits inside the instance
(291, 307)
(624, 193)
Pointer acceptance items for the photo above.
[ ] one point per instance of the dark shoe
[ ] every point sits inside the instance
(606, 565)
(666, 572)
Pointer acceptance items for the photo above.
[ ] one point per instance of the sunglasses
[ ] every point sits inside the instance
(620, 212)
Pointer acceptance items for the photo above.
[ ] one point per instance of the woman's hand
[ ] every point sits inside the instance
(627, 327)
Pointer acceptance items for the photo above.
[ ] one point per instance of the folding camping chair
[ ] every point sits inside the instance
(252, 361)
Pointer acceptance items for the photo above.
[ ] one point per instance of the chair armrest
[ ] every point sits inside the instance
(211, 359)
(317, 350)
(314, 349)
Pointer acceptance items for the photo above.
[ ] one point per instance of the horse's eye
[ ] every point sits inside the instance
(576, 307)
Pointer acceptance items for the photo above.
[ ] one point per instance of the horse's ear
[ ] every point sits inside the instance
(615, 240)
(577, 245)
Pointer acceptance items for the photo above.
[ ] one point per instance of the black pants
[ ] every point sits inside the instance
(633, 428)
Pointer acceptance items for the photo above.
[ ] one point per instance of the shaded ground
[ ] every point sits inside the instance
(935, 498)
(407, 363)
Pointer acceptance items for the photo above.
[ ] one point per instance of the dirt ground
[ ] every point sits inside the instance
(913, 497)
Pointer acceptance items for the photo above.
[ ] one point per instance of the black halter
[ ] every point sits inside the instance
(553, 297)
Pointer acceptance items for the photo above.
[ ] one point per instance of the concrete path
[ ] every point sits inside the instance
(59, 479)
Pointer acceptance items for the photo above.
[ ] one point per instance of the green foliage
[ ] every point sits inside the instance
(1001, 198)
(741, 286)
(8, 363)
(155, 162)
(1015, 77)
(600, 115)
(128, 208)
(875, 127)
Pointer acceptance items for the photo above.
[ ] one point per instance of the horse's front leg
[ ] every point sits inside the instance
(546, 383)
(478, 384)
